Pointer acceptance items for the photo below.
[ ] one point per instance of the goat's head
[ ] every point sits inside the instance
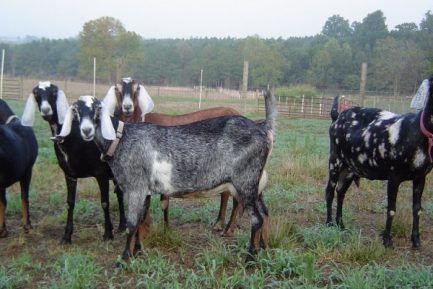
(127, 98)
(91, 114)
(51, 102)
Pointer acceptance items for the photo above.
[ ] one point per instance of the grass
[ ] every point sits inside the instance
(302, 253)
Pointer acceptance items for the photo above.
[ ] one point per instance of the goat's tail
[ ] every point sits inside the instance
(334, 108)
(271, 112)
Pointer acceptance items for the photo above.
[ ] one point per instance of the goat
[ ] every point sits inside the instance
(77, 158)
(18, 152)
(380, 145)
(130, 102)
(205, 157)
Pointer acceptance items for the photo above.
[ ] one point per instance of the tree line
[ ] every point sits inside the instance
(397, 59)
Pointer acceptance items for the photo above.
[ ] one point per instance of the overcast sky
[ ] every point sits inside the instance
(199, 18)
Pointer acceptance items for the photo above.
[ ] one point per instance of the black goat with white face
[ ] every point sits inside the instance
(77, 158)
(206, 157)
(18, 152)
(380, 145)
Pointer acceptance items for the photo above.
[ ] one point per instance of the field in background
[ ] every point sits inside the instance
(303, 253)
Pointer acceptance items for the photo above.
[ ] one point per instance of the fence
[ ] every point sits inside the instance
(12, 88)
(294, 107)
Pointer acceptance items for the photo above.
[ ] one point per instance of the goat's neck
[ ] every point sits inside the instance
(101, 142)
(428, 114)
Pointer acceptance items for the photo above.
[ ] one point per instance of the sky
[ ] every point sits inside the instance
(58, 19)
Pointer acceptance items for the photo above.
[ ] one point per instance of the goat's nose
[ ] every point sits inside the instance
(45, 110)
(87, 131)
(127, 106)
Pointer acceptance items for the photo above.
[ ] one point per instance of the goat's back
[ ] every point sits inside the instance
(171, 120)
(194, 157)
(18, 152)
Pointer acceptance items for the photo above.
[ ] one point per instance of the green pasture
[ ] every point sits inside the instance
(303, 252)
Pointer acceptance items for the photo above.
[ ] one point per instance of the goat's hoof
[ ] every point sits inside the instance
(219, 226)
(387, 243)
(228, 233)
(27, 228)
(121, 264)
(330, 224)
(416, 243)
(108, 237)
(4, 232)
(65, 241)
(121, 228)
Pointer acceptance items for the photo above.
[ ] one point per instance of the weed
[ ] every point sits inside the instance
(76, 270)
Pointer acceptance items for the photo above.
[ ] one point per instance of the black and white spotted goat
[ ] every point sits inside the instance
(77, 158)
(205, 157)
(380, 145)
(18, 152)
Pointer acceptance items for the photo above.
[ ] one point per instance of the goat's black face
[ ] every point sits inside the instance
(46, 97)
(127, 92)
(86, 111)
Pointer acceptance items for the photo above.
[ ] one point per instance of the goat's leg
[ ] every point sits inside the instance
(229, 230)
(392, 191)
(143, 227)
(138, 205)
(330, 188)
(164, 203)
(25, 185)
(122, 217)
(265, 230)
(71, 185)
(219, 224)
(418, 188)
(343, 185)
(3, 204)
(256, 231)
(104, 187)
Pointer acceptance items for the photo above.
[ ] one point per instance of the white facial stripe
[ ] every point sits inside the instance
(86, 124)
(46, 108)
(127, 101)
(127, 79)
(87, 99)
(44, 84)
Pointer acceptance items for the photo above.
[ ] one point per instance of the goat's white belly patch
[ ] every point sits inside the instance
(162, 172)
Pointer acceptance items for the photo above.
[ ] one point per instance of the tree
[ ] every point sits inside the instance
(337, 27)
(100, 38)
(265, 62)
(371, 29)
(397, 65)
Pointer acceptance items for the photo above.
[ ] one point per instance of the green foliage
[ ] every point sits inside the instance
(76, 270)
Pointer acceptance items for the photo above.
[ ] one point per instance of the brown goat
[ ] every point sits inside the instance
(130, 102)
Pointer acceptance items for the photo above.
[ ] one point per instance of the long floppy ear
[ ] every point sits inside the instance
(107, 128)
(110, 100)
(62, 106)
(144, 101)
(67, 122)
(28, 118)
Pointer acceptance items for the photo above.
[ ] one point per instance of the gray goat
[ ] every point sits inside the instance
(207, 157)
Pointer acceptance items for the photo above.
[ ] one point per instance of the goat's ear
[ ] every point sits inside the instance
(110, 100)
(62, 106)
(67, 122)
(144, 101)
(107, 128)
(28, 118)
